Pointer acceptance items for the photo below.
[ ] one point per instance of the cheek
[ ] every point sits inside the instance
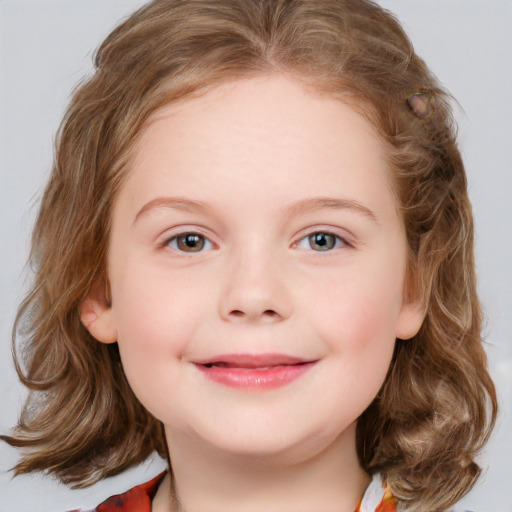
(354, 310)
(154, 323)
(356, 330)
(361, 307)
(359, 327)
(155, 317)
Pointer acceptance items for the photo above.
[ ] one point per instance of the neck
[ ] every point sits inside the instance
(208, 480)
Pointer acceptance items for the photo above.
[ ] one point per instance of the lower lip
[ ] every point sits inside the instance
(254, 378)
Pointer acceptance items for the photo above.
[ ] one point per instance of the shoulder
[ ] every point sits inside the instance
(138, 498)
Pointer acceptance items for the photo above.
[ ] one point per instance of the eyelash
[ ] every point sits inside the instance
(320, 238)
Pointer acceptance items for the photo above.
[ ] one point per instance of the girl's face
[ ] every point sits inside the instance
(256, 265)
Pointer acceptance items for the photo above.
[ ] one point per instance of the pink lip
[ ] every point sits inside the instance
(247, 371)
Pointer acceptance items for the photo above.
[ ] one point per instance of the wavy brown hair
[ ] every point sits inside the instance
(437, 405)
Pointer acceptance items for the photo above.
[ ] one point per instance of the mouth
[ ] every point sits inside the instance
(256, 372)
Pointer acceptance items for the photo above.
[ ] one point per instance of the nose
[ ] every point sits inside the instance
(256, 290)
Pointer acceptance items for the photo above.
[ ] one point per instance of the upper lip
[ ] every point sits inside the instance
(252, 360)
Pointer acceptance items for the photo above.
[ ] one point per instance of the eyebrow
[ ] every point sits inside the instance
(177, 203)
(332, 203)
(304, 206)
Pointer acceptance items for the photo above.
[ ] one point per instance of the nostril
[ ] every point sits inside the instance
(268, 313)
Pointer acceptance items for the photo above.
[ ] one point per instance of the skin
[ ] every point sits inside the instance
(245, 164)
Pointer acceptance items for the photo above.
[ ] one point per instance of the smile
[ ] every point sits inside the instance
(256, 372)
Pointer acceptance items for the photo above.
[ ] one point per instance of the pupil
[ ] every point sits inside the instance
(320, 240)
(192, 240)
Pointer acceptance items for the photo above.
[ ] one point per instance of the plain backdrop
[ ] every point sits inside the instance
(46, 47)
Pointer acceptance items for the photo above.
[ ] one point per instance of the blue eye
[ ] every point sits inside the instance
(321, 241)
(189, 242)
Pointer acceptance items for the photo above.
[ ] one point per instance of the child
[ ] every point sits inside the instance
(254, 256)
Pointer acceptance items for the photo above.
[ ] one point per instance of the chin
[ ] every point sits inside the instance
(271, 441)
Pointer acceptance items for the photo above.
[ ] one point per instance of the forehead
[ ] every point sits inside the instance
(263, 131)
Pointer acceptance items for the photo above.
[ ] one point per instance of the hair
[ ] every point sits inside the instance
(437, 405)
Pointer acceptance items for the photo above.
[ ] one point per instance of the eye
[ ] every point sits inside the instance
(189, 242)
(321, 241)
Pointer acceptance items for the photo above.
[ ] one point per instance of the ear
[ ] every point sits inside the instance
(410, 319)
(97, 317)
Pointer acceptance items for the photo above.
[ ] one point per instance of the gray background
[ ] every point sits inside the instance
(46, 47)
